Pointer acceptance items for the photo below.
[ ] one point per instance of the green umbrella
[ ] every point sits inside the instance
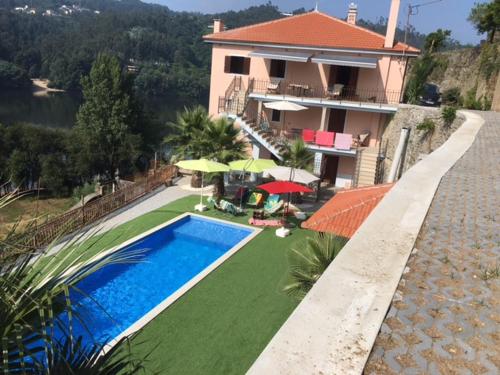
(252, 165)
(204, 166)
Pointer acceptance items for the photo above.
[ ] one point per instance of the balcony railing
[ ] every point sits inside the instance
(337, 92)
(278, 136)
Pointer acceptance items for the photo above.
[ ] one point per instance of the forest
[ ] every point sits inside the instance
(165, 46)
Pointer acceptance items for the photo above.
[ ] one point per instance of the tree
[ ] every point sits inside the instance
(187, 140)
(436, 40)
(308, 261)
(13, 77)
(223, 145)
(297, 155)
(104, 141)
(486, 18)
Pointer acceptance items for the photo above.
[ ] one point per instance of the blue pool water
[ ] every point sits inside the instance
(172, 256)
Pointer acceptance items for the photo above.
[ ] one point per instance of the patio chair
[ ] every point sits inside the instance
(273, 86)
(273, 204)
(212, 203)
(308, 135)
(335, 91)
(325, 138)
(343, 141)
(362, 139)
(255, 199)
(230, 208)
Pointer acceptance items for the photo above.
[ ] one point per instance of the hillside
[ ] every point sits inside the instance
(59, 39)
(474, 71)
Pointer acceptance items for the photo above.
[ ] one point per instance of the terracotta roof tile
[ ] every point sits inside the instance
(347, 210)
(314, 29)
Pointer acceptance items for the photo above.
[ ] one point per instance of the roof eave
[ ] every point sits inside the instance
(384, 51)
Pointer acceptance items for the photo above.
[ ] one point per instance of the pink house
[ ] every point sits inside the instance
(348, 79)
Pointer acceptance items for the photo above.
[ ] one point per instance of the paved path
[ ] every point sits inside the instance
(445, 316)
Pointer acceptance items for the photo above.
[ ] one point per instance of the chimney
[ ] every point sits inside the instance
(352, 14)
(218, 26)
(392, 23)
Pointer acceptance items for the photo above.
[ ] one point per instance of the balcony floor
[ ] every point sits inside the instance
(330, 103)
(332, 150)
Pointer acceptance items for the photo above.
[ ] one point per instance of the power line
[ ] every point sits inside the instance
(413, 11)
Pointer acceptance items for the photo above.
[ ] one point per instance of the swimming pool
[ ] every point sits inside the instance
(121, 298)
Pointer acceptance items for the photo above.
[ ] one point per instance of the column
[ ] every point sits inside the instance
(324, 119)
(318, 161)
(256, 155)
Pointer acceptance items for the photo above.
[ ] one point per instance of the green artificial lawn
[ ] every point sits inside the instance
(221, 325)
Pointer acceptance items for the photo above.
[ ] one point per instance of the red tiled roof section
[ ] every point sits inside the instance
(347, 210)
(314, 29)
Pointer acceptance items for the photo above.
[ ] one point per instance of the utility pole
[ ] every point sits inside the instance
(413, 11)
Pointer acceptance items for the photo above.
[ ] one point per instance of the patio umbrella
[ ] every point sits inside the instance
(284, 187)
(252, 166)
(300, 176)
(203, 166)
(284, 105)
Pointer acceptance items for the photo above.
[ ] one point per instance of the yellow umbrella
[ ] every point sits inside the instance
(203, 166)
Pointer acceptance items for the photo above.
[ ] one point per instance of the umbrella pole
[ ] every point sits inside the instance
(201, 192)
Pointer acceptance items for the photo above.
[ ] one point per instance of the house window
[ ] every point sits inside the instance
(276, 116)
(237, 65)
(277, 69)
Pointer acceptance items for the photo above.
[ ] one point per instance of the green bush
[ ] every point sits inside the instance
(448, 114)
(427, 126)
(470, 101)
(82, 191)
(452, 96)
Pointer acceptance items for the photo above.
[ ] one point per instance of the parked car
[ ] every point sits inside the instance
(431, 95)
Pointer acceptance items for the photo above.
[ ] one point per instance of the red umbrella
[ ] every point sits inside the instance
(284, 187)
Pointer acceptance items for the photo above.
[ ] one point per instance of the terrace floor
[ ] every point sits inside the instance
(222, 324)
(445, 315)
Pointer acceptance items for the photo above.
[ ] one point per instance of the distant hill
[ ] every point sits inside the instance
(59, 39)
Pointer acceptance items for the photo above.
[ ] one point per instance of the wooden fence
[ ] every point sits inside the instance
(78, 218)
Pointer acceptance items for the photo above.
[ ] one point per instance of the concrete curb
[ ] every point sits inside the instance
(333, 329)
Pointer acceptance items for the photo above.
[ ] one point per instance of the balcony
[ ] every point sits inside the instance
(337, 96)
(276, 139)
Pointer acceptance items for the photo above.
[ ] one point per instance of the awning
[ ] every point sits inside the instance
(278, 55)
(361, 62)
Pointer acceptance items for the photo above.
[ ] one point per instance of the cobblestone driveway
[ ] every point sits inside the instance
(445, 316)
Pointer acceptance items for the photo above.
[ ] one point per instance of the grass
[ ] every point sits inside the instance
(222, 324)
(26, 209)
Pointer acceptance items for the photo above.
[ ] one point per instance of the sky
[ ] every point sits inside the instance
(445, 14)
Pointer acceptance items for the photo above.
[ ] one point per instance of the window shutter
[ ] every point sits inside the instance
(227, 64)
(246, 66)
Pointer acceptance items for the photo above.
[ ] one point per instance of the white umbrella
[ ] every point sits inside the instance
(284, 105)
(300, 176)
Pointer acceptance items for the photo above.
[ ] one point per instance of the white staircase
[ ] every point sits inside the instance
(366, 166)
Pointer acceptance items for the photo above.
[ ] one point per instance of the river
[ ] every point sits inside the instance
(58, 109)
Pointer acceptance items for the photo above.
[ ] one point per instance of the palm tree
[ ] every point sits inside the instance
(34, 291)
(224, 145)
(297, 155)
(187, 139)
(308, 262)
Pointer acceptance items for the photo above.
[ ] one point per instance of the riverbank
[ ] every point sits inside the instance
(41, 87)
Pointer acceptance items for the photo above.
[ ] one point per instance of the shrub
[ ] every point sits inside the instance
(448, 114)
(470, 101)
(427, 126)
(82, 191)
(452, 96)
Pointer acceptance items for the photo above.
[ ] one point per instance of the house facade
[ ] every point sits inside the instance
(347, 81)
